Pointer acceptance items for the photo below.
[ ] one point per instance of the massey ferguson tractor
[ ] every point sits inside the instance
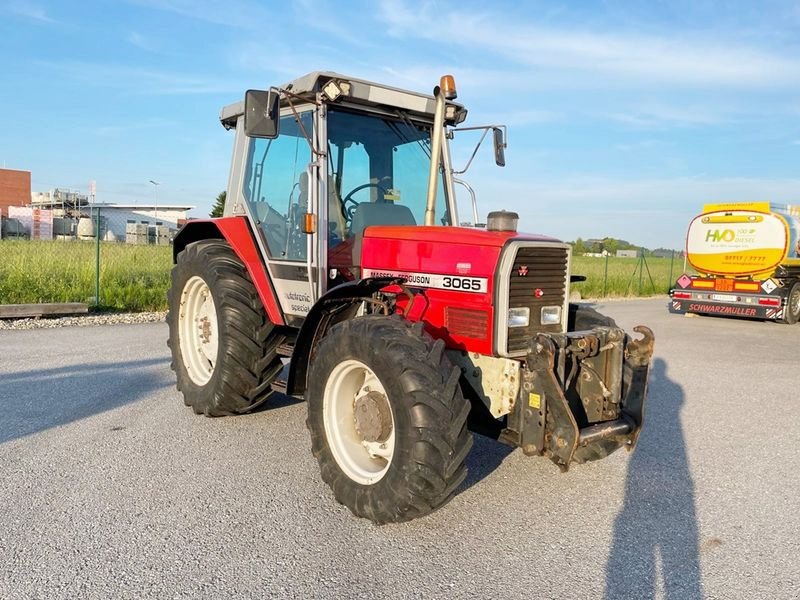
(339, 253)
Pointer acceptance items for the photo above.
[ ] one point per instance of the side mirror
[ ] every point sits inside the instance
(499, 147)
(261, 113)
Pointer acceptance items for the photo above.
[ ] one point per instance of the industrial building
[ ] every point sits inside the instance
(66, 214)
(117, 221)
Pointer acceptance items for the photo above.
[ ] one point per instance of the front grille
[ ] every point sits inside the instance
(466, 322)
(536, 268)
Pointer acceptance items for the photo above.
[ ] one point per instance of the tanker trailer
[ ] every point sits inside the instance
(747, 262)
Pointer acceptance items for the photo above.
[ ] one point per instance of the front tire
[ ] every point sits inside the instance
(224, 347)
(791, 312)
(387, 418)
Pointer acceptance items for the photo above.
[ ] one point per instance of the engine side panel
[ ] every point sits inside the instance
(453, 281)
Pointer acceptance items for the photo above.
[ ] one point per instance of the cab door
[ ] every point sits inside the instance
(277, 187)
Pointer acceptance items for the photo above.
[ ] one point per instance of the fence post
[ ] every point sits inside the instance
(97, 259)
(671, 264)
(641, 269)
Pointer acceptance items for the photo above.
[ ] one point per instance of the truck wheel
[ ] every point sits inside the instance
(791, 312)
(223, 344)
(387, 418)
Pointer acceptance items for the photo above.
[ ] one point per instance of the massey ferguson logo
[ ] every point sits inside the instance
(522, 271)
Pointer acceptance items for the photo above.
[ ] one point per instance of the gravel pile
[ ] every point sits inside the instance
(87, 321)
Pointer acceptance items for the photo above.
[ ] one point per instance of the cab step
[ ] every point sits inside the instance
(279, 385)
(286, 349)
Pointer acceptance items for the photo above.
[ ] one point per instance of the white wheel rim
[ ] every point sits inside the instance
(197, 330)
(365, 462)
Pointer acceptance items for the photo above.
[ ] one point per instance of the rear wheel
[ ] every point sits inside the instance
(387, 418)
(791, 312)
(222, 342)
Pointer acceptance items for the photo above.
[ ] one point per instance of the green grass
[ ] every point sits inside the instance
(132, 278)
(623, 276)
(136, 278)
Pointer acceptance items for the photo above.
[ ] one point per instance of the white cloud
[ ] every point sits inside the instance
(648, 115)
(142, 80)
(29, 10)
(140, 41)
(241, 14)
(617, 57)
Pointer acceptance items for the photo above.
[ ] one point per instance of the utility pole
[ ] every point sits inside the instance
(155, 197)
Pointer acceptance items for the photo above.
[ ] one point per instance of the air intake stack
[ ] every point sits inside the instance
(502, 220)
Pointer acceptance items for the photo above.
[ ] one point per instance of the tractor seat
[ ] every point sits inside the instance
(372, 213)
(385, 213)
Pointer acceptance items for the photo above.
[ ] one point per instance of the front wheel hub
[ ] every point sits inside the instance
(373, 417)
(359, 423)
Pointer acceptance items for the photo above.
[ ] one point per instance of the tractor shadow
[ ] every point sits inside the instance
(39, 399)
(656, 532)
(484, 458)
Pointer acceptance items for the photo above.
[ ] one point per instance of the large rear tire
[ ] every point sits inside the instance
(223, 344)
(387, 418)
(791, 312)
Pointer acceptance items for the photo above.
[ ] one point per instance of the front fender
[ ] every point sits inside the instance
(336, 305)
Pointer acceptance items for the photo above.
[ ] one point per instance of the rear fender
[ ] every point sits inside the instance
(338, 304)
(236, 231)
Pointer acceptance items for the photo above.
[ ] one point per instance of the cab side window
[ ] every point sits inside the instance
(276, 187)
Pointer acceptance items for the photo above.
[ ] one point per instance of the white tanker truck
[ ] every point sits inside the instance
(747, 262)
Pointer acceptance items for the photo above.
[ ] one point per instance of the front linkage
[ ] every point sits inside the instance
(582, 394)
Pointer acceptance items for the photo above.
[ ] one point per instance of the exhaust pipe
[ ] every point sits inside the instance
(446, 90)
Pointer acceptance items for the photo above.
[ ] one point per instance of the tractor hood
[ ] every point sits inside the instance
(466, 275)
(399, 249)
(451, 235)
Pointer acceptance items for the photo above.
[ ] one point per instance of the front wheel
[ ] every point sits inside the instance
(387, 419)
(791, 312)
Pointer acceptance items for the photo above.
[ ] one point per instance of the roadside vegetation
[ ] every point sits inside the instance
(132, 278)
(136, 278)
(612, 276)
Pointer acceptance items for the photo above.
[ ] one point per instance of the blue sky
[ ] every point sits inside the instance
(624, 116)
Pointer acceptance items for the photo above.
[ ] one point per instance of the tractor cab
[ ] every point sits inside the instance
(320, 159)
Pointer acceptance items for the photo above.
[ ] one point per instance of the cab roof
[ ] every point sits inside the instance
(361, 91)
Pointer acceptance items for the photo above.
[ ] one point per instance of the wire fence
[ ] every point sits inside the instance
(103, 258)
(618, 276)
(116, 263)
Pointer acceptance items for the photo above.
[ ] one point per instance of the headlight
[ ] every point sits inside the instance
(551, 315)
(519, 317)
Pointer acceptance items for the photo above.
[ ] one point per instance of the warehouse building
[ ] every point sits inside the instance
(116, 220)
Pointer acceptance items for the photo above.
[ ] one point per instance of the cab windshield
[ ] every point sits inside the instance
(378, 170)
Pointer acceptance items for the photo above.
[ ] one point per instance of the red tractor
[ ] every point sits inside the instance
(339, 251)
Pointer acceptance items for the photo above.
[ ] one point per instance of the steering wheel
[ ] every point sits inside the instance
(350, 205)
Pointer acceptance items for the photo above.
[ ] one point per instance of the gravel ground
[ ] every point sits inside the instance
(87, 321)
(111, 488)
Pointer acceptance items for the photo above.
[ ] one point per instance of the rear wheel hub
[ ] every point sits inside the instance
(198, 330)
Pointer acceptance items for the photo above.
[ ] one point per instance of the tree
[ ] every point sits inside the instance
(580, 247)
(219, 205)
(610, 245)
